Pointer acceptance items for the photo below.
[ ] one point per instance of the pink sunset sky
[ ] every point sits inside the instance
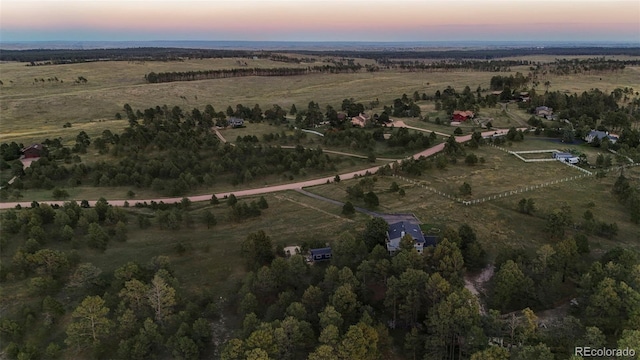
(321, 20)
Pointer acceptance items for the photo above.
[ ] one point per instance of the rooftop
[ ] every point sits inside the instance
(399, 229)
(320, 251)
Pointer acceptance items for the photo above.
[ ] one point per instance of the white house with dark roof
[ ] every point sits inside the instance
(593, 134)
(235, 122)
(398, 230)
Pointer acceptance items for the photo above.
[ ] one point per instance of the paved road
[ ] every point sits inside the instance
(267, 189)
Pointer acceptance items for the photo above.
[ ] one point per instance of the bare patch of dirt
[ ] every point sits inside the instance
(477, 284)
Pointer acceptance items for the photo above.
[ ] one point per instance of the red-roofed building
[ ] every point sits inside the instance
(462, 115)
(32, 151)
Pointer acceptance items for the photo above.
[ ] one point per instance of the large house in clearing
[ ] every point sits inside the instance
(544, 111)
(360, 120)
(600, 135)
(462, 115)
(398, 230)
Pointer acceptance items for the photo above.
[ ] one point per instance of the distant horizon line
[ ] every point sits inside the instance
(336, 41)
(300, 44)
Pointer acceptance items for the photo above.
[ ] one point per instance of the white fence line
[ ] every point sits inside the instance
(512, 192)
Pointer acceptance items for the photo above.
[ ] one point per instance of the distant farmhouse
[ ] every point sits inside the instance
(32, 151)
(235, 122)
(320, 254)
(524, 97)
(361, 120)
(459, 116)
(544, 111)
(398, 230)
(600, 135)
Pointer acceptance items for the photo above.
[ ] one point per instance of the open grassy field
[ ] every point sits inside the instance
(499, 173)
(533, 142)
(29, 107)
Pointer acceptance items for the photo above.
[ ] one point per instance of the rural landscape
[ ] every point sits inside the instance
(432, 204)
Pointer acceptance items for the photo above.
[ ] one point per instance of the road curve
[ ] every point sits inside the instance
(267, 189)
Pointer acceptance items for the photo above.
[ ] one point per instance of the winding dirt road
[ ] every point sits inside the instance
(267, 189)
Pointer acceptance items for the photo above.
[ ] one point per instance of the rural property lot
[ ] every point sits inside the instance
(501, 172)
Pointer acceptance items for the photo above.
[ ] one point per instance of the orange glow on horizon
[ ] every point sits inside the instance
(331, 17)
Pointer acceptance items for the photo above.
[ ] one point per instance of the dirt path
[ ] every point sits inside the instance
(476, 284)
(219, 135)
(400, 123)
(312, 207)
(342, 153)
(267, 189)
(336, 202)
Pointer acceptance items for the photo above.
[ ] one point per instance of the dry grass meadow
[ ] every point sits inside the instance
(32, 109)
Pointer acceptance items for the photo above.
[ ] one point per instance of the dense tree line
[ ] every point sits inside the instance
(241, 72)
(167, 53)
(65, 56)
(476, 53)
(450, 100)
(452, 65)
(628, 193)
(583, 66)
(512, 82)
